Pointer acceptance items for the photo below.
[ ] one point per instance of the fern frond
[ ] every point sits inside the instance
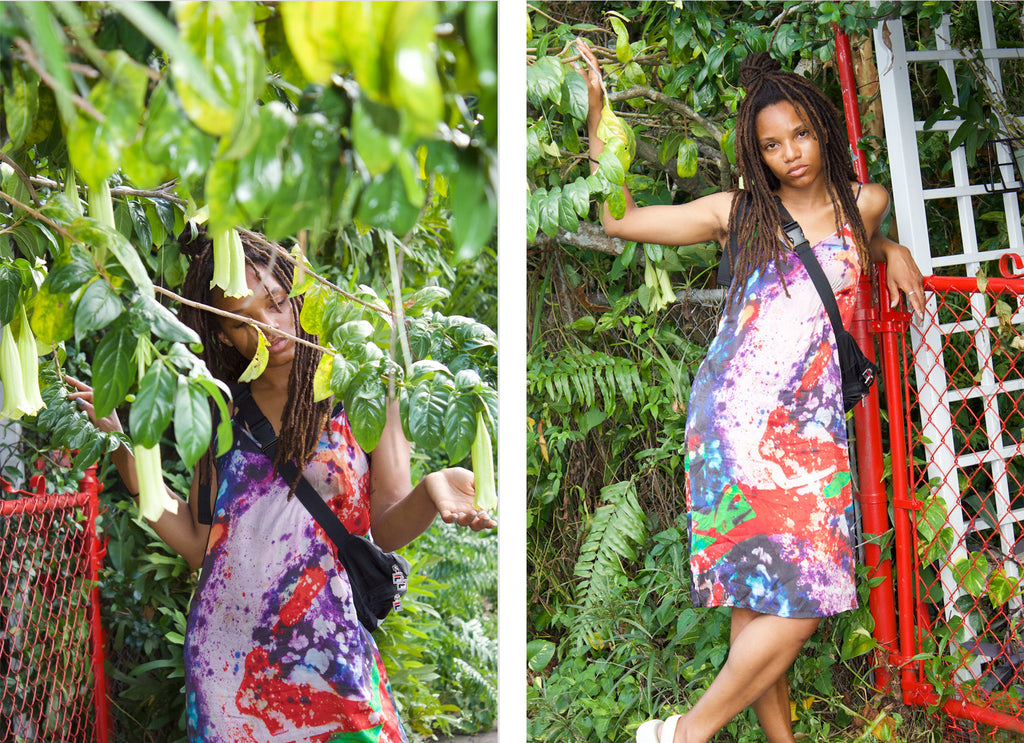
(617, 529)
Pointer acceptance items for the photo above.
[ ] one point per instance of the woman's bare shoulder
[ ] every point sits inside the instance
(873, 202)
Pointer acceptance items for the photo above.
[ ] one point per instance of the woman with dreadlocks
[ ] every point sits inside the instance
(767, 471)
(273, 647)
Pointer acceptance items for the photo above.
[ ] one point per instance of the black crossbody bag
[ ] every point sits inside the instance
(379, 579)
(858, 372)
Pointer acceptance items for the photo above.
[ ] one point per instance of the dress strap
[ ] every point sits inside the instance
(859, 187)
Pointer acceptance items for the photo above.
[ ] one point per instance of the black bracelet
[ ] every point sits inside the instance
(593, 160)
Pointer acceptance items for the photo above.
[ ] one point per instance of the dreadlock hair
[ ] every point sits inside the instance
(754, 218)
(302, 420)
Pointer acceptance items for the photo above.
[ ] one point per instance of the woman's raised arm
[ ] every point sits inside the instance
(180, 528)
(697, 221)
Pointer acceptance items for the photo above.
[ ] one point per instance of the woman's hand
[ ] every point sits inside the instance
(903, 275)
(591, 72)
(451, 491)
(84, 397)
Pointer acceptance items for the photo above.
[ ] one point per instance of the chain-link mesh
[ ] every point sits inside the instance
(47, 691)
(965, 425)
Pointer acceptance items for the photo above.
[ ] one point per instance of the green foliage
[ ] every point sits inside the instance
(616, 331)
(441, 648)
(122, 120)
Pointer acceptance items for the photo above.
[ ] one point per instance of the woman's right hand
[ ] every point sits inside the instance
(591, 72)
(83, 395)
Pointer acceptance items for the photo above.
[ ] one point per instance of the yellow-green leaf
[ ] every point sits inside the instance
(259, 359)
(686, 161)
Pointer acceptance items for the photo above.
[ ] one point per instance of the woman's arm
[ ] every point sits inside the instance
(399, 514)
(701, 220)
(179, 528)
(901, 271)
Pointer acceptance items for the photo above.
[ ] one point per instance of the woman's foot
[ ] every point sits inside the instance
(657, 731)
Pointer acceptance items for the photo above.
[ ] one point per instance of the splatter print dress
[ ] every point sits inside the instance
(767, 471)
(273, 649)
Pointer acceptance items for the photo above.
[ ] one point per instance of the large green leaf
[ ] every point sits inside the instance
(314, 31)
(365, 405)
(460, 425)
(412, 71)
(91, 234)
(428, 402)
(53, 316)
(21, 101)
(10, 290)
(192, 421)
(154, 404)
(114, 367)
(98, 307)
(152, 316)
(170, 139)
(95, 146)
(222, 37)
(385, 204)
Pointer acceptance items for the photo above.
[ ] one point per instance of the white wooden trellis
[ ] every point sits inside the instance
(894, 62)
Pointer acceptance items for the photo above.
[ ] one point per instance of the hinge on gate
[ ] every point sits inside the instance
(907, 504)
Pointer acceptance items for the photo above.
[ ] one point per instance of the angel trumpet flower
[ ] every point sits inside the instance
(10, 377)
(229, 264)
(153, 496)
(486, 498)
(19, 399)
(29, 357)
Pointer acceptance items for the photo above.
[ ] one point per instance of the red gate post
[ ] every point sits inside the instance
(91, 487)
(890, 327)
(867, 416)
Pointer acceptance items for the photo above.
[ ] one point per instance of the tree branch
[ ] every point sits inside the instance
(32, 60)
(643, 91)
(241, 318)
(592, 237)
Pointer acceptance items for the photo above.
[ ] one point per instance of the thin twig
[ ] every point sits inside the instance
(22, 175)
(241, 318)
(32, 60)
(36, 214)
(160, 192)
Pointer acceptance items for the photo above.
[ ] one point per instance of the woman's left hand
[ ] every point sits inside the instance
(903, 275)
(451, 491)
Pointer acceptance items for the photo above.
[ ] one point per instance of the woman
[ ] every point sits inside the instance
(767, 469)
(273, 648)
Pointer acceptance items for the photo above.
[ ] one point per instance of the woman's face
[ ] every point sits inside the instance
(788, 145)
(267, 304)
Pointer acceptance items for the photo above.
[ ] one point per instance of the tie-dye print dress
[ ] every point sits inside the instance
(273, 649)
(767, 471)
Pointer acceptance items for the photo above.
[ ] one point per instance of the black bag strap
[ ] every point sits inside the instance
(263, 433)
(732, 249)
(810, 261)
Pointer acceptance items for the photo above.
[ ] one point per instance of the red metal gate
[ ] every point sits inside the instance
(954, 387)
(51, 643)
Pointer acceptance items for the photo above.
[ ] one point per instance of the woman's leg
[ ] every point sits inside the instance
(761, 653)
(772, 707)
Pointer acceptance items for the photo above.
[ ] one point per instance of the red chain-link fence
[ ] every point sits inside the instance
(955, 398)
(51, 644)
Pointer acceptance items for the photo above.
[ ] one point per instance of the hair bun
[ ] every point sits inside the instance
(193, 241)
(755, 66)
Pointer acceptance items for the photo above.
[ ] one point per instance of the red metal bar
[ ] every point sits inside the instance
(924, 695)
(36, 504)
(892, 324)
(867, 419)
(91, 487)
(844, 60)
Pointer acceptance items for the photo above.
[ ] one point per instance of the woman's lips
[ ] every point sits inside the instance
(797, 171)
